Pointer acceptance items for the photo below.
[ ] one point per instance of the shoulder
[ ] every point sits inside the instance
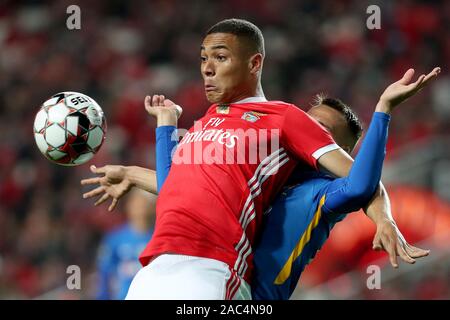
(290, 111)
(280, 108)
(284, 106)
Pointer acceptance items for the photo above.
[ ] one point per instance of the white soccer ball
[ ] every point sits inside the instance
(69, 128)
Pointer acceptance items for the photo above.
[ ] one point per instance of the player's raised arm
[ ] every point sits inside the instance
(337, 161)
(167, 114)
(388, 236)
(164, 110)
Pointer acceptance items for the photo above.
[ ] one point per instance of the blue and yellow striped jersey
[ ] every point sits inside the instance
(294, 230)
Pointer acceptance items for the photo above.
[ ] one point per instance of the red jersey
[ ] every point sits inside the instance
(225, 172)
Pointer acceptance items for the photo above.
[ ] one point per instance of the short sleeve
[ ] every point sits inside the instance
(304, 137)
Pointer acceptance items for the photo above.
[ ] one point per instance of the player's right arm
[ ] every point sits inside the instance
(114, 181)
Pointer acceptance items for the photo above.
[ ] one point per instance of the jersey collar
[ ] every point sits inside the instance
(252, 99)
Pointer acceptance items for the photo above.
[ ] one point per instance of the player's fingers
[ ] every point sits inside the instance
(147, 102)
(415, 252)
(155, 100)
(407, 77)
(403, 255)
(102, 199)
(113, 204)
(418, 81)
(161, 100)
(412, 88)
(94, 192)
(391, 250)
(433, 74)
(150, 104)
(377, 244)
(90, 181)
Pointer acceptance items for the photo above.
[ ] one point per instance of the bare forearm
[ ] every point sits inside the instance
(379, 208)
(142, 178)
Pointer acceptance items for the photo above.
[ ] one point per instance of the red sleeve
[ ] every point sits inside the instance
(304, 137)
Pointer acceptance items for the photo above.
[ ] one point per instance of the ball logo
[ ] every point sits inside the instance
(94, 116)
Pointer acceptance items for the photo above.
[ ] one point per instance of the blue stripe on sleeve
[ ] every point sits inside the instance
(164, 147)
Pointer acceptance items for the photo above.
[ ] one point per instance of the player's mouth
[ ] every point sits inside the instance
(209, 88)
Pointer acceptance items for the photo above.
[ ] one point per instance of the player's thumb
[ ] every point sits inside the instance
(407, 77)
(170, 103)
(94, 169)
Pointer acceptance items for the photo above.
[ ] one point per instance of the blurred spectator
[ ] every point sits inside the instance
(119, 250)
(128, 49)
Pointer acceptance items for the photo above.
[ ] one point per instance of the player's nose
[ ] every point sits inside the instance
(208, 69)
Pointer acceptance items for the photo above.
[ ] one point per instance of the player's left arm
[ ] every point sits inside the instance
(388, 237)
(354, 191)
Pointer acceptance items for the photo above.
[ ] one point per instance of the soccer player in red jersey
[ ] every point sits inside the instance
(226, 172)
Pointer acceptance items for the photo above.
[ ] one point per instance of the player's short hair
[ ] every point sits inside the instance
(242, 29)
(353, 122)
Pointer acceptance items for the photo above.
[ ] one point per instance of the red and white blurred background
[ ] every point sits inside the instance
(127, 49)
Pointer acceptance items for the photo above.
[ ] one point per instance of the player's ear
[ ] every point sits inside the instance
(255, 63)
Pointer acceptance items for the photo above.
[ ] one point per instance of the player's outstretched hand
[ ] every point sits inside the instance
(164, 110)
(401, 90)
(112, 183)
(389, 238)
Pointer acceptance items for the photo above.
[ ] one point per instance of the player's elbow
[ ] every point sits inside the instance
(361, 194)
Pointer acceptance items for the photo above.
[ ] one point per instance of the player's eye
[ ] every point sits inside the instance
(221, 58)
(202, 59)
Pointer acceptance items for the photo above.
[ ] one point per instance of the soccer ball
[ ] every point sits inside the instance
(69, 128)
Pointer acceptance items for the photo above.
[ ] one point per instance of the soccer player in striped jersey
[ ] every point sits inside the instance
(210, 208)
(302, 216)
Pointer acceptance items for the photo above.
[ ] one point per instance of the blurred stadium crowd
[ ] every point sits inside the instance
(127, 49)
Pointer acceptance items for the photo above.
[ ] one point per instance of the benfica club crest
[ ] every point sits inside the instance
(252, 116)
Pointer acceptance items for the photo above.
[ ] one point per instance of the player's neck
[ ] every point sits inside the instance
(254, 95)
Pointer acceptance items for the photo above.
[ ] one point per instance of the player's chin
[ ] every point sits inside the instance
(213, 96)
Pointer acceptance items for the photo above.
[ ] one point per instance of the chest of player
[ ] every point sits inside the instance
(233, 126)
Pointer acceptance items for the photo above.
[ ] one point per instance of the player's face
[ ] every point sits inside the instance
(335, 123)
(225, 68)
(140, 208)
